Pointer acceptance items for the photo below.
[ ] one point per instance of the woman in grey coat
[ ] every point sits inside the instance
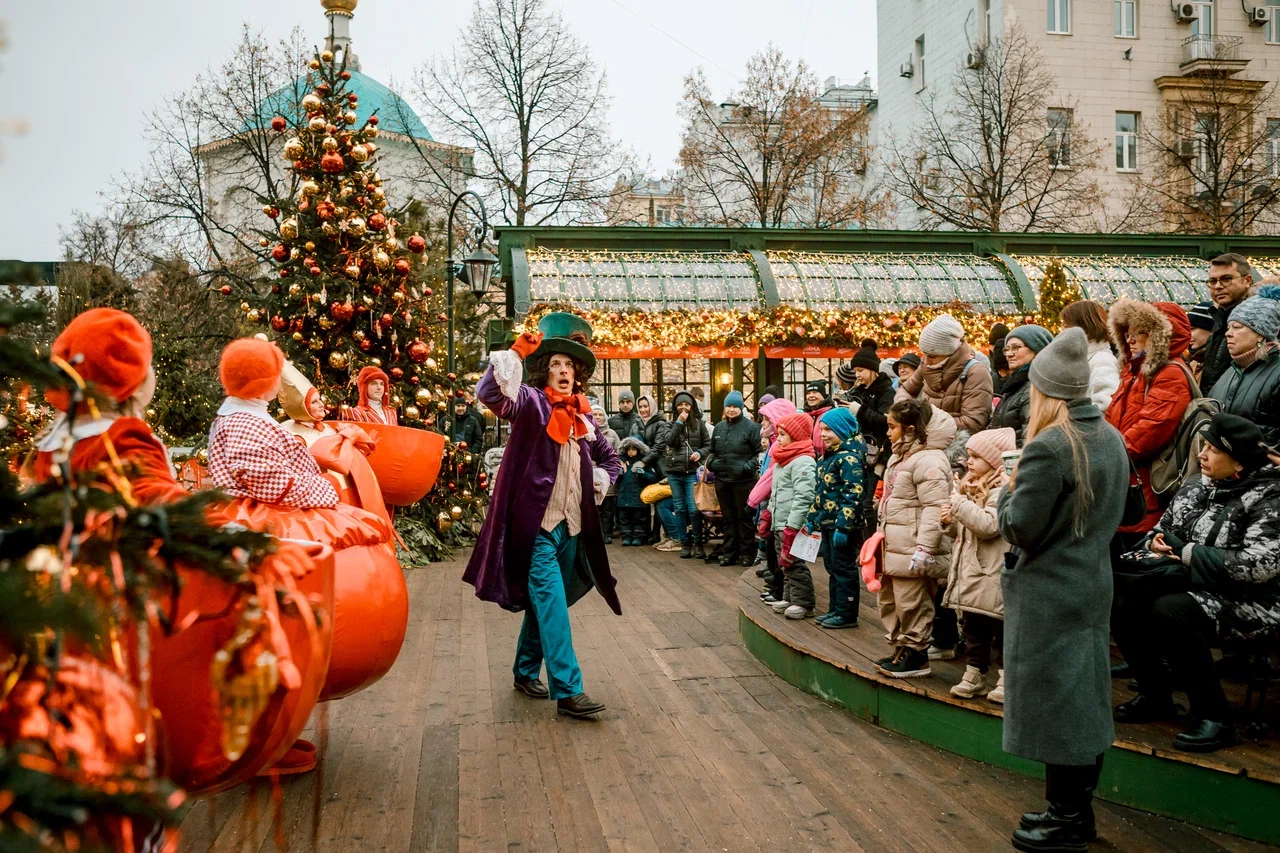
(1059, 512)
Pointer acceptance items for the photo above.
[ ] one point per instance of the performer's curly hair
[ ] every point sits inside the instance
(539, 367)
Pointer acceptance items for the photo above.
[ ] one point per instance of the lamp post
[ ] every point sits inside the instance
(475, 270)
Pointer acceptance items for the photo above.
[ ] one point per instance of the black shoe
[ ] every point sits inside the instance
(1122, 670)
(1144, 709)
(909, 663)
(726, 560)
(886, 661)
(533, 688)
(1056, 831)
(608, 540)
(1207, 736)
(581, 706)
(749, 561)
(686, 551)
(762, 572)
(698, 552)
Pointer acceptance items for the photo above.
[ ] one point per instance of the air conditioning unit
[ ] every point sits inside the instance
(1259, 15)
(1185, 149)
(975, 59)
(907, 69)
(1185, 12)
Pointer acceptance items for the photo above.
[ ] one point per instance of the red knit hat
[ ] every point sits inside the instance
(367, 375)
(249, 368)
(799, 426)
(108, 348)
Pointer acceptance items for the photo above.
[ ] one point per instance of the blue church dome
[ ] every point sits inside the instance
(394, 114)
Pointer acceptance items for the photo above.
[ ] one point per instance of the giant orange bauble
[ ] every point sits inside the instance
(180, 666)
(406, 461)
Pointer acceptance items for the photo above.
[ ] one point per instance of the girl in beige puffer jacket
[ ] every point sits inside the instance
(916, 548)
(977, 559)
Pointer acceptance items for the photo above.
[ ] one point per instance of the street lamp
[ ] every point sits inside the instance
(476, 269)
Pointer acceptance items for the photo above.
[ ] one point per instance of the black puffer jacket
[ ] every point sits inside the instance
(1217, 358)
(1014, 410)
(735, 450)
(685, 438)
(626, 425)
(1253, 394)
(873, 402)
(654, 434)
(468, 427)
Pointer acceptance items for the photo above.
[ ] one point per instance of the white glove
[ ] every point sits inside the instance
(922, 560)
(601, 482)
(637, 466)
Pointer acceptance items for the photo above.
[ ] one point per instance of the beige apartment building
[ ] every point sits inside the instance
(1121, 67)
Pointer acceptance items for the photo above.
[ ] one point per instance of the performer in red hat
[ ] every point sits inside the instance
(374, 406)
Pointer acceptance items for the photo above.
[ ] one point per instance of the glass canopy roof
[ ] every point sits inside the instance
(650, 281)
(1106, 278)
(891, 283)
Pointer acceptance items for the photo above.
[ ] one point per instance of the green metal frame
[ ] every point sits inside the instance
(1211, 798)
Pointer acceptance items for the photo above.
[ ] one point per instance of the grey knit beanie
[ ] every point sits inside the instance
(1260, 312)
(1061, 370)
(626, 395)
(1035, 337)
(943, 336)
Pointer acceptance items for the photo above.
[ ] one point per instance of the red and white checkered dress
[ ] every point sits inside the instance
(252, 458)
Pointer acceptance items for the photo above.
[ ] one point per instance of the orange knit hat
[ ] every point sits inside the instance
(108, 348)
(367, 375)
(249, 368)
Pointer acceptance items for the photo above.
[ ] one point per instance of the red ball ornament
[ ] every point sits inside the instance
(373, 120)
(345, 75)
(417, 244)
(377, 222)
(273, 212)
(332, 163)
(442, 317)
(397, 374)
(315, 272)
(278, 124)
(418, 352)
(361, 309)
(414, 379)
(278, 323)
(275, 288)
(326, 209)
(353, 97)
(453, 377)
(402, 266)
(340, 311)
(225, 290)
(295, 325)
(284, 272)
(386, 320)
(366, 345)
(323, 89)
(280, 252)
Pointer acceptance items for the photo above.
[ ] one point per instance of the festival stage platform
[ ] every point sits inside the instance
(1235, 790)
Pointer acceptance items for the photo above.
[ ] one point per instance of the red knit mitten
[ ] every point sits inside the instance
(526, 344)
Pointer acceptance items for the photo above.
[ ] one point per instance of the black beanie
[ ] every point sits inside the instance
(866, 357)
(1239, 438)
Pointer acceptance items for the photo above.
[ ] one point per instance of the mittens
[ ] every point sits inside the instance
(788, 536)
(526, 344)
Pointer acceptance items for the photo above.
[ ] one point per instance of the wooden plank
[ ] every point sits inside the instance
(435, 808)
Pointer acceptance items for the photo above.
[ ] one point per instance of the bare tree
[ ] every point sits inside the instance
(523, 91)
(774, 155)
(214, 162)
(999, 152)
(1216, 154)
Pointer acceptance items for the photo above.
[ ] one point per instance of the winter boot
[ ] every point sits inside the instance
(973, 684)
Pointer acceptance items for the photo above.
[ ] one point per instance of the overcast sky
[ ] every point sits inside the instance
(82, 73)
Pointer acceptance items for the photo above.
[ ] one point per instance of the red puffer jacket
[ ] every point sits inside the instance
(1153, 392)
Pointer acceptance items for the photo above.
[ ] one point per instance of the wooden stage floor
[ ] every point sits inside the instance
(701, 749)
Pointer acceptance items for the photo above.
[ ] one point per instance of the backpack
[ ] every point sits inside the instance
(1179, 459)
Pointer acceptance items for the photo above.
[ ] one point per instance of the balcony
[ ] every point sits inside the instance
(1213, 55)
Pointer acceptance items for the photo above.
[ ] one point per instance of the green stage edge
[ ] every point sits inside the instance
(1236, 804)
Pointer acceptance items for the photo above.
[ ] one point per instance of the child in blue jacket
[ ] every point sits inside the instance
(633, 513)
(836, 512)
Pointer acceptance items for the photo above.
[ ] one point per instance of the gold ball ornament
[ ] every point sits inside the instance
(289, 229)
(382, 259)
(411, 413)
(295, 289)
(309, 188)
(316, 344)
(326, 323)
(442, 405)
(312, 103)
(314, 65)
(330, 144)
(423, 397)
(297, 336)
(293, 149)
(349, 117)
(264, 242)
(358, 335)
(357, 226)
(392, 244)
(359, 153)
(455, 512)
(244, 306)
(431, 364)
(310, 247)
(318, 124)
(443, 523)
(202, 456)
(353, 271)
(337, 360)
(370, 132)
(254, 315)
(327, 56)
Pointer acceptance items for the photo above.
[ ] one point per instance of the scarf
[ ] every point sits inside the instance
(764, 486)
(565, 411)
(1259, 353)
(784, 454)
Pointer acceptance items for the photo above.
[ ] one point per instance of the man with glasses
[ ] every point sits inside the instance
(1230, 278)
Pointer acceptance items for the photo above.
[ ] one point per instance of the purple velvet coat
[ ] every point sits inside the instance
(499, 565)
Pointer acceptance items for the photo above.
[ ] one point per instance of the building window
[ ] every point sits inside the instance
(1273, 148)
(1203, 23)
(984, 21)
(919, 63)
(1058, 139)
(1273, 26)
(1059, 20)
(1127, 142)
(1126, 18)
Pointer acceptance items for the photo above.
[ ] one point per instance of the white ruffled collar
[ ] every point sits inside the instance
(239, 405)
(61, 428)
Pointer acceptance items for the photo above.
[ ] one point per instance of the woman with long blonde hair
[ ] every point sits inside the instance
(1059, 512)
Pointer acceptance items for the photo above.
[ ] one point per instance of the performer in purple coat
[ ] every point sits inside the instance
(541, 547)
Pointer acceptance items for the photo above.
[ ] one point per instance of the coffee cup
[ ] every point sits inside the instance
(1010, 459)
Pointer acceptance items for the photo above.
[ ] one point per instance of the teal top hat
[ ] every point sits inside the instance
(570, 335)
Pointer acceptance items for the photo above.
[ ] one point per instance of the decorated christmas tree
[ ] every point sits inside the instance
(352, 287)
(1056, 293)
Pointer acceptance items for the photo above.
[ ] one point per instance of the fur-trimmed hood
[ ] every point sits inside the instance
(632, 441)
(1165, 324)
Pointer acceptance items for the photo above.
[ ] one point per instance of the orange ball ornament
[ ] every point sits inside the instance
(332, 163)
